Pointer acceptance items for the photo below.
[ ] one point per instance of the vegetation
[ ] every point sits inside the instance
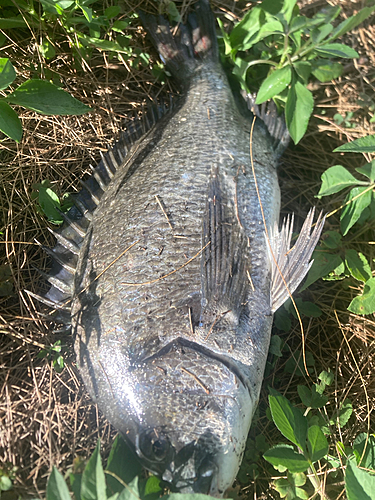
(278, 50)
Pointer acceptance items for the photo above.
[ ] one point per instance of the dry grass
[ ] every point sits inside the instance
(48, 419)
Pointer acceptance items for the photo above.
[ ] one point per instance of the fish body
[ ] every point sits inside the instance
(174, 285)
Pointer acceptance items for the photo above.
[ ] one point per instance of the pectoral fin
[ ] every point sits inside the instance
(290, 265)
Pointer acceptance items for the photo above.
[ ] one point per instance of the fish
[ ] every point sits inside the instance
(171, 264)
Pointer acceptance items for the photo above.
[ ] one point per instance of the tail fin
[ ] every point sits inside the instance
(191, 42)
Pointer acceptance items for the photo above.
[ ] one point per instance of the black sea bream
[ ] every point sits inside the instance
(166, 273)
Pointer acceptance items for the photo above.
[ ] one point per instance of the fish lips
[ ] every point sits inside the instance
(189, 470)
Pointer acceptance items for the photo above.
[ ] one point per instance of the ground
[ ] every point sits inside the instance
(47, 418)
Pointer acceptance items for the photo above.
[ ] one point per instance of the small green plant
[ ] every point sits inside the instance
(49, 203)
(38, 95)
(287, 49)
(309, 447)
(7, 476)
(345, 120)
(54, 353)
(333, 260)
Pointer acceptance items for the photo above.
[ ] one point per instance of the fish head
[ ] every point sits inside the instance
(189, 420)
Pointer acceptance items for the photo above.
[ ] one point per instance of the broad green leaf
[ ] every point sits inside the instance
(306, 308)
(275, 346)
(345, 412)
(364, 450)
(331, 239)
(361, 198)
(323, 264)
(317, 443)
(298, 109)
(287, 9)
(131, 492)
(350, 23)
(361, 145)
(49, 202)
(326, 70)
(318, 34)
(12, 22)
(368, 170)
(112, 11)
(120, 26)
(337, 50)
(121, 454)
(275, 83)
(289, 488)
(297, 23)
(303, 70)
(57, 488)
(10, 124)
(358, 265)
(282, 320)
(93, 479)
(7, 73)
(225, 37)
(359, 484)
(246, 29)
(365, 303)
(239, 70)
(100, 44)
(45, 98)
(47, 49)
(75, 484)
(326, 377)
(335, 179)
(87, 12)
(286, 456)
(272, 6)
(289, 420)
(311, 397)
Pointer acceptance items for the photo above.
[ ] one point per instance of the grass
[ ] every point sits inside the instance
(48, 418)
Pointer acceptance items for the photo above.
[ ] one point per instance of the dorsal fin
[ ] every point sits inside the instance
(224, 261)
(76, 222)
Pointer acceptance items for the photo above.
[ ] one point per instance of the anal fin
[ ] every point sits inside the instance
(290, 265)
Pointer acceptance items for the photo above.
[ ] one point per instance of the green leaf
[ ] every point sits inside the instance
(360, 199)
(298, 109)
(87, 12)
(289, 488)
(44, 97)
(93, 479)
(49, 203)
(272, 6)
(246, 29)
(10, 124)
(47, 50)
(275, 346)
(7, 73)
(131, 492)
(12, 22)
(303, 70)
(57, 488)
(331, 239)
(326, 377)
(358, 265)
(112, 11)
(296, 366)
(286, 456)
(317, 443)
(275, 83)
(335, 179)
(306, 308)
(368, 170)
(365, 303)
(289, 420)
(345, 412)
(364, 450)
(75, 484)
(121, 454)
(325, 70)
(282, 320)
(318, 34)
(323, 264)
(287, 9)
(350, 23)
(337, 50)
(361, 145)
(120, 26)
(359, 484)
(311, 397)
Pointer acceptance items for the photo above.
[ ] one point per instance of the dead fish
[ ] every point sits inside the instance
(165, 274)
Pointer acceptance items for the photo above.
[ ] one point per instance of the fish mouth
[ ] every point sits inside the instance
(190, 470)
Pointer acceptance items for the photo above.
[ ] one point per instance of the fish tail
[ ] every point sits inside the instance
(274, 123)
(183, 47)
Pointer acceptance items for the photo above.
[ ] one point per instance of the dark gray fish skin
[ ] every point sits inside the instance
(172, 293)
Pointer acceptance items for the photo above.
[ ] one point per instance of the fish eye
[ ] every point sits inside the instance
(153, 446)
